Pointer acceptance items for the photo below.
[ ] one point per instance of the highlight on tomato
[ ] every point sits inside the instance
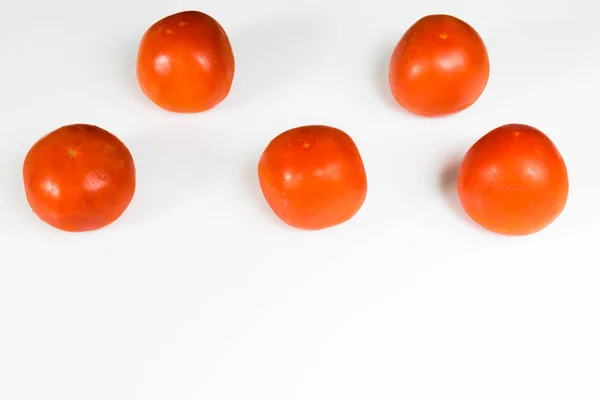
(313, 177)
(79, 178)
(185, 63)
(513, 181)
(439, 67)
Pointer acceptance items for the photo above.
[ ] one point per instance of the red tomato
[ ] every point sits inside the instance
(185, 63)
(79, 178)
(439, 67)
(513, 181)
(313, 177)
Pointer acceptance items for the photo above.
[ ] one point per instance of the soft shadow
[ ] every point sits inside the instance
(381, 71)
(129, 51)
(270, 53)
(249, 175)
(123, 72)
(12, 195)
(251, 182)
(170, 167)
(447, 187)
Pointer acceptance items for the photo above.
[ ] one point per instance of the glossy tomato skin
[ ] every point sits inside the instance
(513, 181)
(313, 177)
(185, 63)
(79, 178)
(439, 67)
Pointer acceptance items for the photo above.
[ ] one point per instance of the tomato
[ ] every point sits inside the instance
(79, 178)
(185, 63)
(313, 177)
(513, 181)
(440, 66)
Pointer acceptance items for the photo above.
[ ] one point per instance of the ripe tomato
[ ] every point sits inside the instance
(185, 63)
(79, 178)
(513, 181)
(313, 177)
(440, 66)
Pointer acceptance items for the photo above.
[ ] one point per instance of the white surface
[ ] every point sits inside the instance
(198, 292)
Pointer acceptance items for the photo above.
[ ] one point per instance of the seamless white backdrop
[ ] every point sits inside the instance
(199, 292)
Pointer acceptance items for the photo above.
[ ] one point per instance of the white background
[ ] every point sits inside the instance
(199, 292)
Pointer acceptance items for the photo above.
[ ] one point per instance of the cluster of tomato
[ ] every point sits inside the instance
(512, 181)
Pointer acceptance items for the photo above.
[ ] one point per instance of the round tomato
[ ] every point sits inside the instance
(313, 177)
(79, 178)
(439, 67)
(185, 63)
(513, 181)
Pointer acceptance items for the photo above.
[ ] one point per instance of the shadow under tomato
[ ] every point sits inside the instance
(447, 187)
(121, 67)
(270, 53)
(170, 168)
(12, 196)
(127, 52)
(381, 69)
(252, 187)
